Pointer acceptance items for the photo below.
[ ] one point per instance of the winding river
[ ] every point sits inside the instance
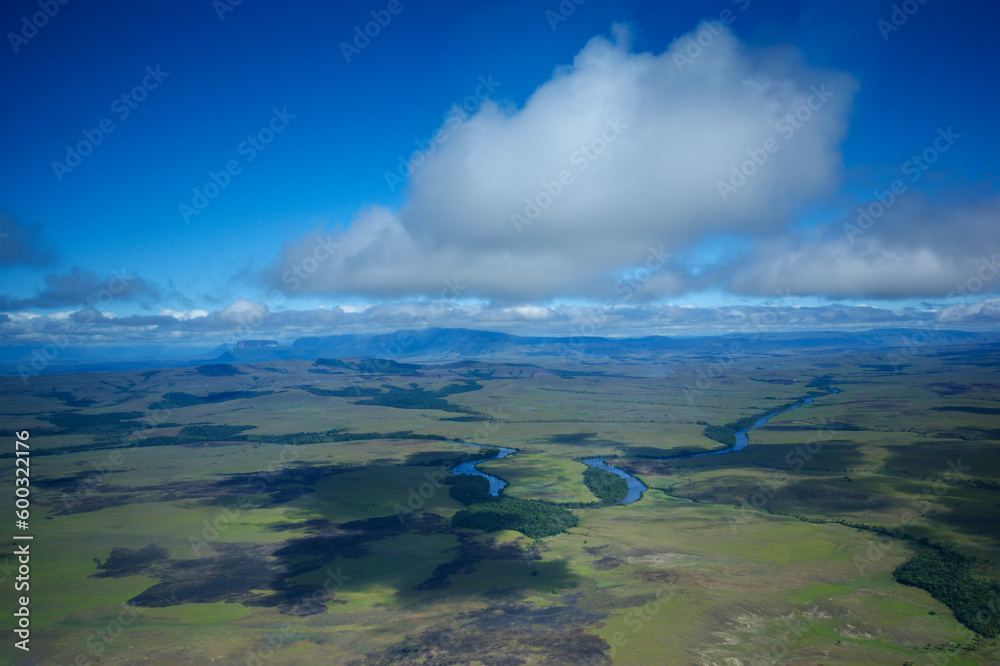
(635, 487)
(469, 468)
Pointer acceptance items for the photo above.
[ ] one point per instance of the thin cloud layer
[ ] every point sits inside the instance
(986, 311)
(246, 319)
(912, 250)
(618, 162)
(80, 287)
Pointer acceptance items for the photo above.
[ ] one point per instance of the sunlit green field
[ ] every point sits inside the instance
(253, 549)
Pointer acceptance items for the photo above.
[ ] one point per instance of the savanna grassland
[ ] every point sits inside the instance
(301, 512)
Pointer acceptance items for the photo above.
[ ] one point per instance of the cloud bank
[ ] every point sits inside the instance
(915, 249)
(247, 319)
(621, 161)
(84, 288)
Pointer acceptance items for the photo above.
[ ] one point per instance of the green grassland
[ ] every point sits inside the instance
(230, 545)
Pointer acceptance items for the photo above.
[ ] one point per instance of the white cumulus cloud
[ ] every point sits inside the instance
(617, 157)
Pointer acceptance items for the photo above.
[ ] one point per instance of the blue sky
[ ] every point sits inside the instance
(901, 76)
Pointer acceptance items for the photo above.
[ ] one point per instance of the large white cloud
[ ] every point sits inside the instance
(641, 144)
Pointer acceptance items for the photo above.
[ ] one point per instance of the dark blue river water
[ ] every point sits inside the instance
(469, 468)
(635, 487)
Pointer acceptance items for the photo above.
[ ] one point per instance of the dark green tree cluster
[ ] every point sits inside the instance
(194, 434)
(822, 383)
(420, 398)
(346, 392)
(533, 518)
(948, 577)
(91, 423)
(218, 370)
(197, 433)
(336, 435)
(722, 434)
(606, 486)
(107, 427)
(370, 365)
(483, 453)
(178, 399)
(68, 398)
(469, 489)
(333, 363)
(227, 433)
(424, 459)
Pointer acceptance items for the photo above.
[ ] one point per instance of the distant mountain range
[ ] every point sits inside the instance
(441, 344)
(451, 344)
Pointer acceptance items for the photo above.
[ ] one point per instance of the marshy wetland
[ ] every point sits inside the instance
(308, 512)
